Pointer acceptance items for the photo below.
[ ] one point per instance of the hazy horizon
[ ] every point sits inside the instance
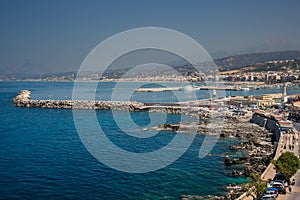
(56, 36)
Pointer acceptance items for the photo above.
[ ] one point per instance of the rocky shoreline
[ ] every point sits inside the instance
(255, 143)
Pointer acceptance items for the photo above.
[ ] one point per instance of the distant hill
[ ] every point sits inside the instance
(237, 61)
(244, 63)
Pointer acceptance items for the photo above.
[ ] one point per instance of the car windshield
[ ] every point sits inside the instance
(279, 177)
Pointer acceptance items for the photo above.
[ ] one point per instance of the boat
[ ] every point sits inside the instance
(189, 88)
(245, 88)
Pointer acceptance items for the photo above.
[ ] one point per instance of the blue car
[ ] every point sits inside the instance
(273, 189)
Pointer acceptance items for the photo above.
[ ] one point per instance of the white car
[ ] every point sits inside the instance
(268, 197)
(271, 193)
(279, 186)
(272, 184)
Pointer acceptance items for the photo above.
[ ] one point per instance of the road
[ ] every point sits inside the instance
(297, 127)
(295, 195)
(285, 143)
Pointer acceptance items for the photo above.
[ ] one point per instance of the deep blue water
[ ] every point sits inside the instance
(42, 156)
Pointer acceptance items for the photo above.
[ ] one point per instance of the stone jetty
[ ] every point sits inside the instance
(164, 89)
(23, 99)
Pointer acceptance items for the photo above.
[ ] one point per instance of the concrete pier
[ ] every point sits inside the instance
(164, 89)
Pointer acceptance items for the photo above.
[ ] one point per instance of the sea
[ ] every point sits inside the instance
(43, 157)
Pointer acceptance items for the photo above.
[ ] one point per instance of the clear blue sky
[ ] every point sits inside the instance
(56, 35)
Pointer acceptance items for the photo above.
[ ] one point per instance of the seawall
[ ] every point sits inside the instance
(268, 123)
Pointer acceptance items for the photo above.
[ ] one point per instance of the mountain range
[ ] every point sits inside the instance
(226, 63)
(237, 61)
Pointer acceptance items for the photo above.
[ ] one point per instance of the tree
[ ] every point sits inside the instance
(287, 164)
(256, 186)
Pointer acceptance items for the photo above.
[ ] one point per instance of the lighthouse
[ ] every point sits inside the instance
(284, 95)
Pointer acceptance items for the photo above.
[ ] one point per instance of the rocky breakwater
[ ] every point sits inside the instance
(23, 100)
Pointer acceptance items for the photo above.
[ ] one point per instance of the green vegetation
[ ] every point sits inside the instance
(287, 164)
(256, 186)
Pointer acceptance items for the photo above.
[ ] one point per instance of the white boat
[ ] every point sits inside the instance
(245, 88)
(189, 88)
(214, 93)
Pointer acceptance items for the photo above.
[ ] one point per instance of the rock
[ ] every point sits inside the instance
(236, 173)
(232, 147)
(248, 170)
(236, 147)
(222, 135)
(227, 160)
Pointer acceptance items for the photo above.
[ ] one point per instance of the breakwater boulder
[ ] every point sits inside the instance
(22, 98)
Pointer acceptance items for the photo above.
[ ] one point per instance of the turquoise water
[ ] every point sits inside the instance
(42, 156)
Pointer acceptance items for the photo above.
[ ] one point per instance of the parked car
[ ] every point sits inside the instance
(279, 186)
(284, 183)
(281, 178)
(271, 193)
(275, 182)
(274, 189)
(267, 197)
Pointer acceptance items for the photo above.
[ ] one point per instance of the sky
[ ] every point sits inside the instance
(42, 36)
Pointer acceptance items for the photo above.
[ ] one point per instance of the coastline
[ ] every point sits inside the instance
(256, 146)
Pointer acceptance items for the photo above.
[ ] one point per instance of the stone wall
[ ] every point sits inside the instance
(268, 123)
